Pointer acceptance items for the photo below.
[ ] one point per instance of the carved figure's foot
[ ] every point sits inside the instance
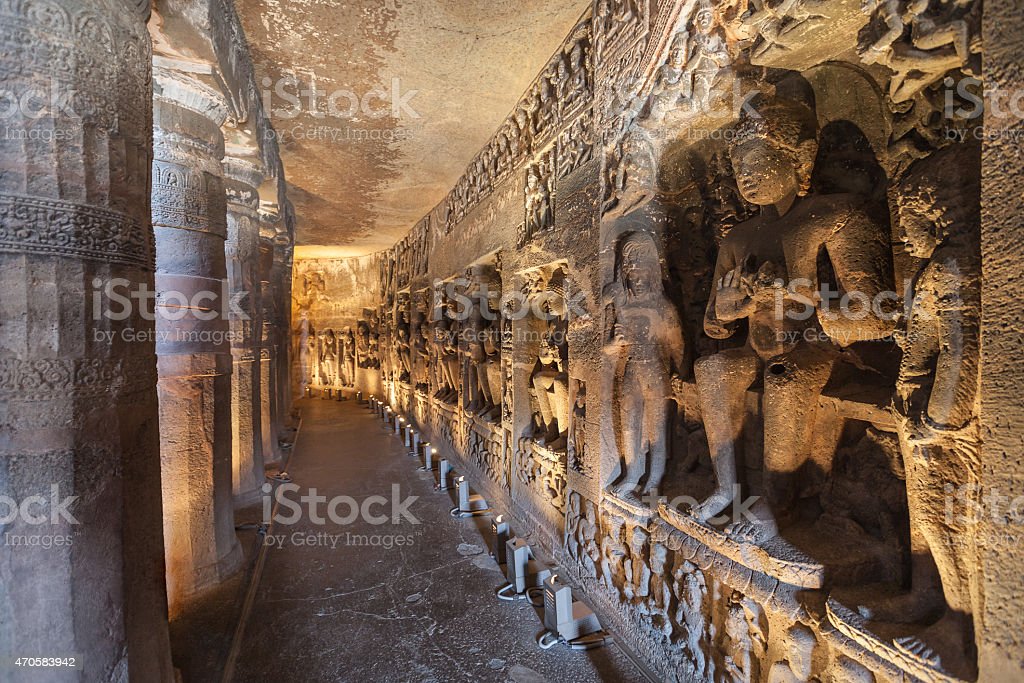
(753, 533)
(947, 645)
(906, 608)
(713, 505)
(626, 491)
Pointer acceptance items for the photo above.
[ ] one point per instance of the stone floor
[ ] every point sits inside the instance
(331, 607)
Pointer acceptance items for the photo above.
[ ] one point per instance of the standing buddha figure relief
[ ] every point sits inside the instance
(644, 343)
(550, 378)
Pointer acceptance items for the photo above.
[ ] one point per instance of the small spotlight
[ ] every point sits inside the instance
(500, 531)
(524, 573)
(469, 504)
(567, 620)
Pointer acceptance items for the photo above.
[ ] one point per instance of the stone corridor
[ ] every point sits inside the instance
(336, 603)
(715, 302)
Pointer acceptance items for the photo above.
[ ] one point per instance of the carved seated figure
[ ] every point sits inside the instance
(767, 274)
(645, 343)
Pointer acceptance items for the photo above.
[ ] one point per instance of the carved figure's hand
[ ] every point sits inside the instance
(734, 296)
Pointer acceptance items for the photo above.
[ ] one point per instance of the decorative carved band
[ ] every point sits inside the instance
(35, 225)
(48, 378)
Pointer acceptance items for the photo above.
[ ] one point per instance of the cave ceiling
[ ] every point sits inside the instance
(404, 94)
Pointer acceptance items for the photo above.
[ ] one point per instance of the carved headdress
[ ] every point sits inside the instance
(786, 120)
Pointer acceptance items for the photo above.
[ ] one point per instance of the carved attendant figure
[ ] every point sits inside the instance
(646, 348)
(550, 381)
(936, 403)
(767, 274)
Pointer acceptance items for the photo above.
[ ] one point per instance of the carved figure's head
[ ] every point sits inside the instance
(774, 146)
(639, 265)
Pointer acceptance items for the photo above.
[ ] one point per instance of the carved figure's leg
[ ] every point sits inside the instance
(792, 386)
(722, 383)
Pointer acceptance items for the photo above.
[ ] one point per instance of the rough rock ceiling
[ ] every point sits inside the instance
(361, 176)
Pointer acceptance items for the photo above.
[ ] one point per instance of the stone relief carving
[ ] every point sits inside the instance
(581, 529)
(550, 379)
(644, 342)
(484, 344)
(328, 358)
(446, 346)
(575, 145)
(576, 455)
(759, 262)
(540, 197)
(935, 403)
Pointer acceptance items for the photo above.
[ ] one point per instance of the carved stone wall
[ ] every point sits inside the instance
(746, 238)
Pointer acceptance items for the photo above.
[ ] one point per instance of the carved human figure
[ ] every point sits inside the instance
(747, 640)
(920, 61)
(577, 447)
(446, 345)
(363, 343)
(766, 273)
(402, 346)
(644, 342)
(483, 346)
(691, 613)
(657, 609)
(613, 558)
(796, 667)
(637, 585)
(935, 403)
(708, 56)
(633, 178)
(669, 84)
(539, 215)
(550, 380)
(328, 358)
(349, 356)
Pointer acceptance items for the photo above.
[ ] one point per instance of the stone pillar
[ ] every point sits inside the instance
(194, 357)
(242, 180)
(281, 280)
(78, 403)
(1000, 617)
(266, 332)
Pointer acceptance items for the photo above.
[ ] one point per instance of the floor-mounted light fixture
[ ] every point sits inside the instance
(524, 573)
(443, 469)
(470, 504)
(499, 532)
(567, 620)
(428, 457)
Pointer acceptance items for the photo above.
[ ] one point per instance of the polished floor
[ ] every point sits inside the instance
(386, 601)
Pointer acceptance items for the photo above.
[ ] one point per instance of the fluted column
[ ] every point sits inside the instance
(267, 373)
(194, 357)
(242, 180)
(281, 278)
(78, 403)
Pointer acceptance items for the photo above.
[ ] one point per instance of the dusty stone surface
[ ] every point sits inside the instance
(348, 610)
(359, 181)
(635, 171)
(78, 415)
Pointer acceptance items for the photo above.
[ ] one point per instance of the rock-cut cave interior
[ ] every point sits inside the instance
(549, 340)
